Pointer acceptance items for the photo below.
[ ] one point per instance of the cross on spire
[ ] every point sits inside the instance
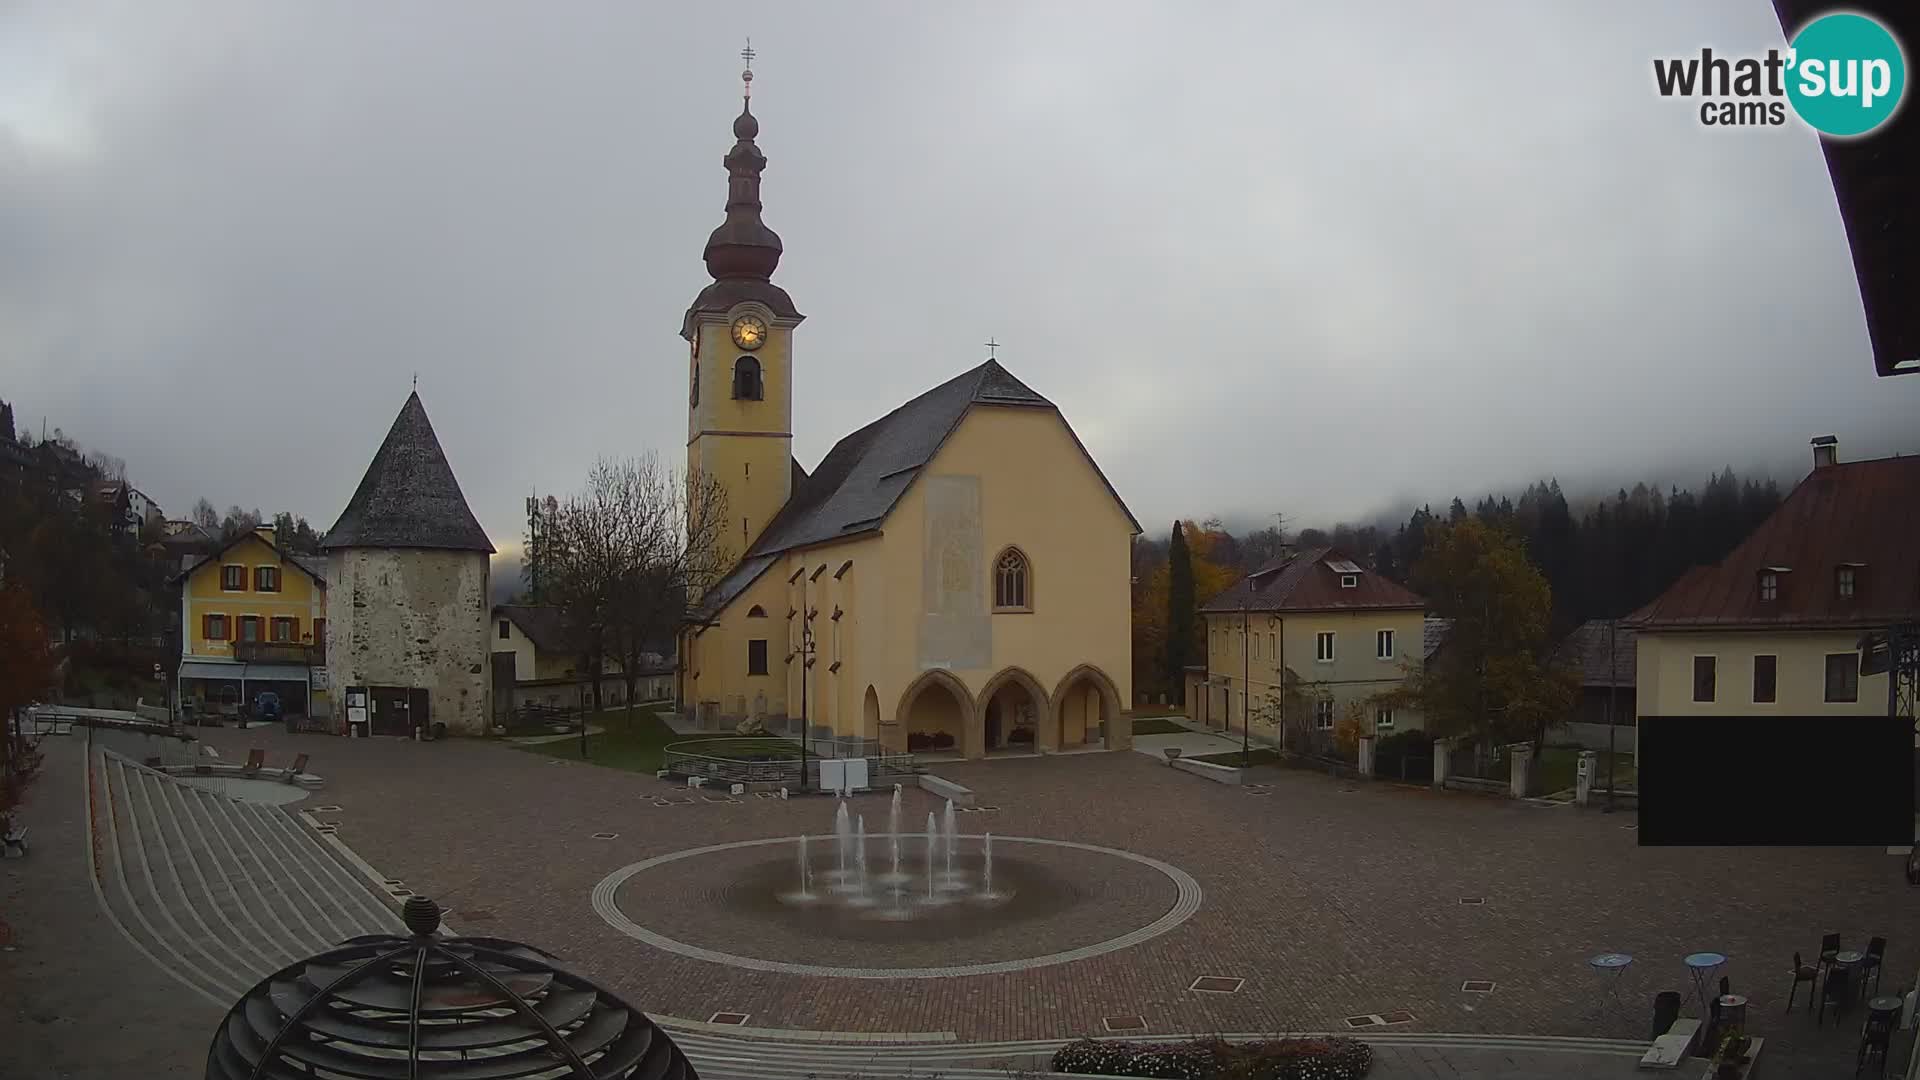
(991, 346)
(746, 77)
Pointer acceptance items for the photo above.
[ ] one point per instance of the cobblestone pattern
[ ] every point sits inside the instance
(1330, 899)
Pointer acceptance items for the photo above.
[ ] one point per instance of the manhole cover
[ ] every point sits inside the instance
(732, 1019)
(1217, 984)
(1125, 1023)
(1477, 986)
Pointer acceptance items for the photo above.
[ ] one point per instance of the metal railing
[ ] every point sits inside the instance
(778, 764)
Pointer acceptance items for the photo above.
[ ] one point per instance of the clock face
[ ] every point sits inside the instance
(749, 332)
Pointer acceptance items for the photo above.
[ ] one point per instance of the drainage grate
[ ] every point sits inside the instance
(401, 892)
(606, 836)
(328, 829)
(1217, 984)
(731, 1019)
(390, 882)
(327, 809)
(766, 794)
(1259, 793)
(1473, 901)
(719, 798)
(1125, 1023)
(1362, 1021)
(1477, 986)
(1398, 1016)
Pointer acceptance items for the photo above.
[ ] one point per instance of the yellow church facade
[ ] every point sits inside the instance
(951, 578)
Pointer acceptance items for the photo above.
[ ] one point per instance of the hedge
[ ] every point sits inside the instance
(1216, 1059)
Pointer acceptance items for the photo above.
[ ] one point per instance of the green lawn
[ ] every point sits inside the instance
(1557, 766)
(1155, 725)
(1232, 760)
(640, 745)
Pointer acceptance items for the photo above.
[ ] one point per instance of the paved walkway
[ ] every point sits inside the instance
(79, 971)
(1191, 744)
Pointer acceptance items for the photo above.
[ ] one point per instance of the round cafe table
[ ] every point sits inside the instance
(1609, 966)
(1844, 965)
(1702, 966)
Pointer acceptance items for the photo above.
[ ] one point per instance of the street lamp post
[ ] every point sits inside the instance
(805, 655)
(1613, 718)
(1246, 689)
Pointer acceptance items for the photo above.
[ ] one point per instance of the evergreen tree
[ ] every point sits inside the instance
(1456, 513)
(1180, 612)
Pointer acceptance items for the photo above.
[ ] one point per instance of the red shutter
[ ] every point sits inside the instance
(206, 627)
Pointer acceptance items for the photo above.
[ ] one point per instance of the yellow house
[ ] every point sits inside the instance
(252, 619)
(1775, 628)
(952, 577)
(1306, 641)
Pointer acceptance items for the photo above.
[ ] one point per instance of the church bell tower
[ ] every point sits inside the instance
(739, 333)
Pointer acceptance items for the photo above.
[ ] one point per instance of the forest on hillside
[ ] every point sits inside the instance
(1616, 555)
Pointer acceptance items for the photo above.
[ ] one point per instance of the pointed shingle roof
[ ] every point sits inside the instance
(408, 498)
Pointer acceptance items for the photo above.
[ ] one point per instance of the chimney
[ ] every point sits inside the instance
(264, 532)
(1826, 451)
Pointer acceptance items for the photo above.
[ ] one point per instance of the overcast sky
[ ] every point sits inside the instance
(1310, 258)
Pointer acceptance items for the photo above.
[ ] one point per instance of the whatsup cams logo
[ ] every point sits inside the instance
(1843, 75)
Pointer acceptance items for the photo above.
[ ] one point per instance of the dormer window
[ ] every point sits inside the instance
(1769, 586)
(1349, 581)
(1846, 580)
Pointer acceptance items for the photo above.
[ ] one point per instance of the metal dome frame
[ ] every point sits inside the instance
(463, 1014)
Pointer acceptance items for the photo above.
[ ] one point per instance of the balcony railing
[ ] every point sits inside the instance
(279, 652)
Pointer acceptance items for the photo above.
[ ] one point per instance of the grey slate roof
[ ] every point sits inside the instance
(1433, 635)
(1585, 650)
(857, 484)
(544, 625)
(408, 498)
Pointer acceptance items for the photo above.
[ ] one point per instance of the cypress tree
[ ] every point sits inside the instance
(1180, 614)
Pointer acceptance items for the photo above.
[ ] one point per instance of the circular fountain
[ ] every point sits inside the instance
(905, 902)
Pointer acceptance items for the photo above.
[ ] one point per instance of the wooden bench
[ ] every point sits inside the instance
(299, 766)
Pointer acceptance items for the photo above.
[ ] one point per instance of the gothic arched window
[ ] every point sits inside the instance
(756, 612)
(1012, 582)
(746, 379)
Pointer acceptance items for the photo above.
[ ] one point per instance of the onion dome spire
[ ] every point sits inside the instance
(743, 246)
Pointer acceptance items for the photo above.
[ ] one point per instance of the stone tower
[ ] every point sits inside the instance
(739, 332)
(407, 588)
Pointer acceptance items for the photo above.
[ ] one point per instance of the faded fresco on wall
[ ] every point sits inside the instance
(955, 631)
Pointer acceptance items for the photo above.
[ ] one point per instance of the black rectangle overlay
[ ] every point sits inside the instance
(1813, 781)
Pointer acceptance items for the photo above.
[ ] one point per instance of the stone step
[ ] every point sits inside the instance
(125, 882)
(341, 882)
(197, 905)
(300, 921)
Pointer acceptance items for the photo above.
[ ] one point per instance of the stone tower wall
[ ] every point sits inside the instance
(414, 617)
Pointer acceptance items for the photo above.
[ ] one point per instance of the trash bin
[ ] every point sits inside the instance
(1666, 1009)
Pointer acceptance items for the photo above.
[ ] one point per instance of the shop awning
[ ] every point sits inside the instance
(213, 669)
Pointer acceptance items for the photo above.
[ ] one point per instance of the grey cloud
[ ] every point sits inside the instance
(1263, 256)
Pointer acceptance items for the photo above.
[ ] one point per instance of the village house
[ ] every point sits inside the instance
(252, 619)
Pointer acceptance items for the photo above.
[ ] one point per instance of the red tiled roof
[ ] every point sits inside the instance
(1305, 582)
(1861, 512)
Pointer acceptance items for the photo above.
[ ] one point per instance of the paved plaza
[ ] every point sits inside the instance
(1316, 900)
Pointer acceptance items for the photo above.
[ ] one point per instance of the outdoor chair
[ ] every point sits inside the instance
(13, 839)
(1829, 948)
(299, 766)
(1830, 990)
(255, 759)
(1803, 973)
(1872, 961)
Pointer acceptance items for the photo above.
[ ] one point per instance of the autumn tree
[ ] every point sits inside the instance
(1494, 681)
(1179, 631)
(26, 672)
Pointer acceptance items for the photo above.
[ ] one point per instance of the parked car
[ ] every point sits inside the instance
(267, 706)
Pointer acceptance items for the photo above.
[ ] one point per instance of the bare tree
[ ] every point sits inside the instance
(623, 557)
(205, 516)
